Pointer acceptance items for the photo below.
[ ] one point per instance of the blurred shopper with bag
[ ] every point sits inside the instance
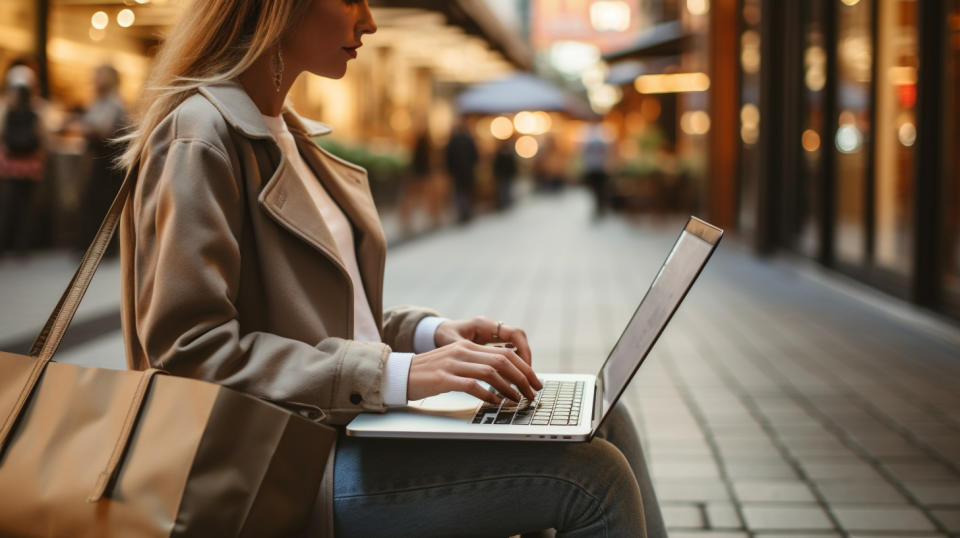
(254, 259)
(21, 160)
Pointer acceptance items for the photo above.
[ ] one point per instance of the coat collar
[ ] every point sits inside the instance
(286, 200)
(242, 113)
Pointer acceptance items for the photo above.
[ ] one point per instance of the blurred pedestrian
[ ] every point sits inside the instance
(596, 156)
(550, 165)
(417, 183)
(101, 124)
(22, 159)
(505, 172)
(462, 159)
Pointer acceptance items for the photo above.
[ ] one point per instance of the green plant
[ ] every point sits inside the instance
(381, 165)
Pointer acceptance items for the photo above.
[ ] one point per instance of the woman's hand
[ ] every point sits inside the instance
(483, 330)
(458, 367)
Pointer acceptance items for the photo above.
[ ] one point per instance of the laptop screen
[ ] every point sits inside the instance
(688, 256)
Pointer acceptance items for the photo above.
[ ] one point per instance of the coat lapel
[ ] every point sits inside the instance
(347, 185)
(286, 200)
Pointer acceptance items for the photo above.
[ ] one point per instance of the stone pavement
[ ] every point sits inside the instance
(781, 401)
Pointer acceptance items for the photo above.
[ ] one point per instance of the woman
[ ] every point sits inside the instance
(254, 259)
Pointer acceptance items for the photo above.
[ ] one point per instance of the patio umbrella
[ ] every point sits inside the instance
(518, 92)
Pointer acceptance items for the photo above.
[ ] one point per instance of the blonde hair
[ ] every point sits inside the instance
(214, 41)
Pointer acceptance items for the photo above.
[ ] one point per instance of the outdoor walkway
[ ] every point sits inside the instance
(780, 401)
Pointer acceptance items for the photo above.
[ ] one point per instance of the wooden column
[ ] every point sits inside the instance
(931, 30)
(41, 32)
(723, 151)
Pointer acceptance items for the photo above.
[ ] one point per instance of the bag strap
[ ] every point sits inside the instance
(48, 340)
(120, 447)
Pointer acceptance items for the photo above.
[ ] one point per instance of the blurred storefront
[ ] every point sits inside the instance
(403, 84)
(847, 137)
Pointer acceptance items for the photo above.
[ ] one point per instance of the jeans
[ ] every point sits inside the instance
(418, 487)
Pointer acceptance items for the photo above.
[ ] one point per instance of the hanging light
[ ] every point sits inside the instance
(100, 20)
(125, 18)
(610, 16)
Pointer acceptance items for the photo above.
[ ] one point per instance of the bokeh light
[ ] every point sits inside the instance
(100, 20)
(125, 18)
(810, 140)
(501, 128)
(527, 147)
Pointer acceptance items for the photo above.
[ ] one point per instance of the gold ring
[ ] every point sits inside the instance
(497, 335)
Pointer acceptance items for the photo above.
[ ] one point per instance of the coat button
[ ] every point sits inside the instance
(355, 399)
(311, 414)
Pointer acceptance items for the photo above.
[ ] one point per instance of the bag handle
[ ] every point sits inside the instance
(48, 340)
(120, 447)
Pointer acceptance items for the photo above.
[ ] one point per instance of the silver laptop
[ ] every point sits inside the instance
(570, 407)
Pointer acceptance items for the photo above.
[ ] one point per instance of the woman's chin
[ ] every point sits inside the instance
(334, 72)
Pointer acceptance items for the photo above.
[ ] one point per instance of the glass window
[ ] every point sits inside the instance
(750, 158)
(951, 198)
(813, 124)
(854, 77)
(895, 134)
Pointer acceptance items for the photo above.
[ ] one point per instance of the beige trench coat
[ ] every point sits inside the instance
(230, 274)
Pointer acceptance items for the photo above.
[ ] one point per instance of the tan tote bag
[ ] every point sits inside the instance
(100, 453)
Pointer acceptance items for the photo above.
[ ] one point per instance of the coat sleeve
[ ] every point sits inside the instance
(400, 324)
(188, 219)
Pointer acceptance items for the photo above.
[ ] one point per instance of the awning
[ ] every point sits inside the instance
(518, 92)
(666, 39)
(474, 18)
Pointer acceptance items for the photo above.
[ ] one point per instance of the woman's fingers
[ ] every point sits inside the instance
(517, 370)
(489, 374)
(471, 387)
(460, 365)
(519, 339)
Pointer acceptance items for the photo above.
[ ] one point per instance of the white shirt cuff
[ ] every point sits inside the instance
(395, 379)
(423, 336)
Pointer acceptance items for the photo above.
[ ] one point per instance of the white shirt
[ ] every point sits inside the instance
(364, 327)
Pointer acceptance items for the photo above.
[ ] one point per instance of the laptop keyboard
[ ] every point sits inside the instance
(557, 404)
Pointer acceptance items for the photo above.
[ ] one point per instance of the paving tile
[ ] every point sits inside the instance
(897, 535)
(682, 516)
(823, 534)
(723, 515)
(744, 443)
(828, 457)
(936, 493)
(840, 471)
(820, 452)
(773, 491)
(881, 518)
(949, 519)
(756, 456)
(781, 518)
(693, 469)
(915, 472)
(892, 449)
(707, 534)
(860, 492)
(691, 490)
(743, 470)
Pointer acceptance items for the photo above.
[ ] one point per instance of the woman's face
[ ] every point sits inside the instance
(328, 36)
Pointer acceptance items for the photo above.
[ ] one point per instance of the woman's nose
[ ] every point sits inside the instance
(367, 25)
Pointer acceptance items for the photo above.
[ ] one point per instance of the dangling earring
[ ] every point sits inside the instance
(277, 69)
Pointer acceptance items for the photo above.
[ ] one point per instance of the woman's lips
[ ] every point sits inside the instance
(351, 51)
